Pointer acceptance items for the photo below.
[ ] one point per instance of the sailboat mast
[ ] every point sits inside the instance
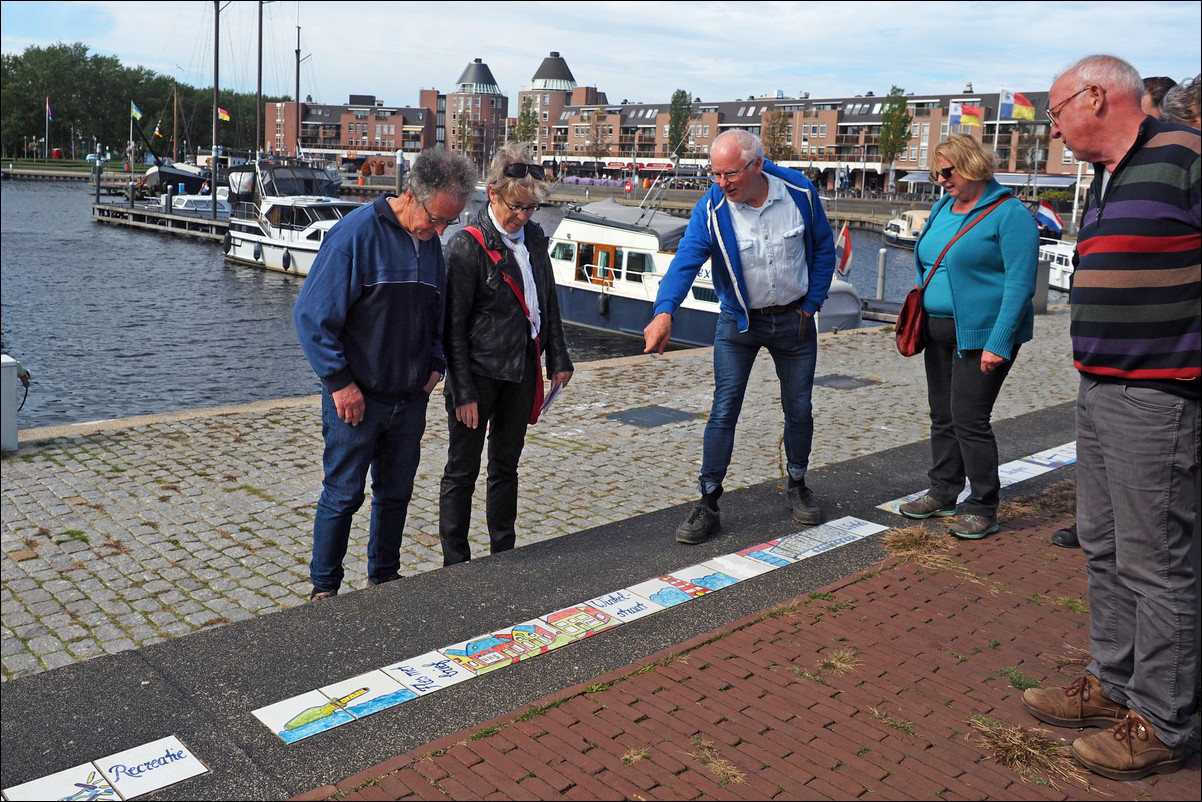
(298, 100)
(259, 95)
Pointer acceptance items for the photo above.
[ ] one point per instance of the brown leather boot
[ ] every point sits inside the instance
(1128, 751)
(1081, 704)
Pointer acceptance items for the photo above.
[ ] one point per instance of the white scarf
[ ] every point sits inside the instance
(517, 244)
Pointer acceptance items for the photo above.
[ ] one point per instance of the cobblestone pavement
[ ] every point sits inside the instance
(120, 534)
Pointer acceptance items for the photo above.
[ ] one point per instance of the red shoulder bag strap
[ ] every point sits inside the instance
(496, 257)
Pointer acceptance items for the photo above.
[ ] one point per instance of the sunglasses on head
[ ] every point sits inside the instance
(521, 170)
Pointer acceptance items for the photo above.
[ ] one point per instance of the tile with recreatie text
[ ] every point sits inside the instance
(150, 767)
(80, 782)
(1056, 457)
(304, 715)
(427, 673)
(625, 605)
(857, 526)
(368, 693)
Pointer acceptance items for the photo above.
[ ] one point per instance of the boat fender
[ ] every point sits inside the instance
(602, 304)
(225, 243)
(258, 251)
(286, 261)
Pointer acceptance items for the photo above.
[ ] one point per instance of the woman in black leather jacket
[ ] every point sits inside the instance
(502, 318)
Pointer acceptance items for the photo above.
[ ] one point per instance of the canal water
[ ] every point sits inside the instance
(115, 322)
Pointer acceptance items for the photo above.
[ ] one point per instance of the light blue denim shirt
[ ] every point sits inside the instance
(772, 248)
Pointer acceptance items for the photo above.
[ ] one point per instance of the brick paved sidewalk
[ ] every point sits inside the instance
(875, 687)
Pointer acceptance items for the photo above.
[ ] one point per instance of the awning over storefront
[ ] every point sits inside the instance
(915, 178)
(1041, 181)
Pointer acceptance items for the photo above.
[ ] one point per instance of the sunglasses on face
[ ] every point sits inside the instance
(942, 172)
(521, 170)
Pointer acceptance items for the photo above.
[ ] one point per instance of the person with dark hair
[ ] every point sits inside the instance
(1154, 91)
(369, 319)
(979, 249)
(1135, 298)
(763, 229)
(502, 321)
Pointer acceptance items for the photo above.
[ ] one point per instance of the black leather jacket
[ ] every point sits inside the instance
(486, 332)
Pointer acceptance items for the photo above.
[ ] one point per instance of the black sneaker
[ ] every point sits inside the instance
(801, 501)
(1066, 537)
(697, 528)
(321, 595)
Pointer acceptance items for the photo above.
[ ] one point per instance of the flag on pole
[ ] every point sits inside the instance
(953, 114)
(1048, 217)
(1005, 105)
(223, 115)
(48, 117)
(1023, 108)
(158, 129)
(134, 111)
(970, 115)
(843, 252)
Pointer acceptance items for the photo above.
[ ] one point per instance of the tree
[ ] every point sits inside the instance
(777, 146)
(600, 132)
(526, 127)
(679, 114)
(895, 129)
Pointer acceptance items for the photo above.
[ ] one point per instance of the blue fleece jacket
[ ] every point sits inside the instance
(991, 274)
(711, 235)
(371, 308)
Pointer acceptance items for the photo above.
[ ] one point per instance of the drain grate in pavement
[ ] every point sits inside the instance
(843, 382)
(650, 417)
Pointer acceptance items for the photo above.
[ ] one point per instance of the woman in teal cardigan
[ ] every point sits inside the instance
(979, 312)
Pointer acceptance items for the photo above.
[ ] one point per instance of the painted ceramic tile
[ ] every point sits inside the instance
(625, 605)
(580, 621)
(506, 647)
(1014, 472)
(740, 567)
(667, 591)
(150, 767)
(857, 526)
(430, 672)
(705, 576)
(368, 693)
(304, 715)
(80, 783)
(814, 540)
(1056, 457)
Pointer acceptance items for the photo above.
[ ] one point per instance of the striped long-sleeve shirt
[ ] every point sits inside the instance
(1137, 286)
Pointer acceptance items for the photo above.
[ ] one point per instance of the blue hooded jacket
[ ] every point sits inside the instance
(711, 235)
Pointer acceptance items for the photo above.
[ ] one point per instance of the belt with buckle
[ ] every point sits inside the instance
(777, 310)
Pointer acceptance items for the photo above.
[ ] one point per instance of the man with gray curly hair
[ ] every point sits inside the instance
(369, 319)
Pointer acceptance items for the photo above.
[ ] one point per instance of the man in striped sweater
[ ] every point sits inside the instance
(1135, 331)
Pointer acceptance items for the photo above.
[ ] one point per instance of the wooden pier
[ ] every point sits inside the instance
(148, 219)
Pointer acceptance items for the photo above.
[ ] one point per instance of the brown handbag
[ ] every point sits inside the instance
(910, 329)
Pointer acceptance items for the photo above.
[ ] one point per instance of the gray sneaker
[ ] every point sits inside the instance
(974, 527)
(926, 507)
(801, 501)
(697, 528)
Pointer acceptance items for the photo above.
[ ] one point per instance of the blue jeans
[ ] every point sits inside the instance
(388, 441)
(795, 356)
(1137, 515)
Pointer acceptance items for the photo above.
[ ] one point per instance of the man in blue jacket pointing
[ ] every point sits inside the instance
(772, 256)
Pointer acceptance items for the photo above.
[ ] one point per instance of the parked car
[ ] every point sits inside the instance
(91, 157)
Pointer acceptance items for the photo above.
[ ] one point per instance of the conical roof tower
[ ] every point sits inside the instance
(477, 80)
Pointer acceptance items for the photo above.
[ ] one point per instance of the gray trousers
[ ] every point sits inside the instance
(1137, 513)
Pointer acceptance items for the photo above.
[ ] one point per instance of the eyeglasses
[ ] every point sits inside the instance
(434, 221)
(521, 170)
(1054, 112)
(942, 172)
(529, 209)
(730, 175)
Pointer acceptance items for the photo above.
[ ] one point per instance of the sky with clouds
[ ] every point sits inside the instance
(641, 52)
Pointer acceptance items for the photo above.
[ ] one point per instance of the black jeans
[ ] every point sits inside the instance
(504, 409)
(962, 442)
